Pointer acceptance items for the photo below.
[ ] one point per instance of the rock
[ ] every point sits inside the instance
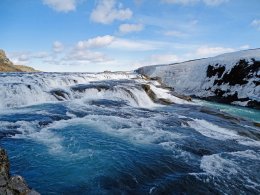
(15, 185)
(257, 124)
(221, 115)
(184, 97)
(83, 87)
(7, 66)
(4, 168)
(153, 96)
(60, 94)
(171, 89)
(149, 92)
(165, 101)
(3, 58)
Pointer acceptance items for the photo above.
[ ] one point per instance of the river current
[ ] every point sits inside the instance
(82, 133)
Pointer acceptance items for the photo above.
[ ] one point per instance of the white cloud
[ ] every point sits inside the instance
(22, 59)
(206, 51)
(97, 42)
(175, 33)
(40, 55)
(57, 46)
(158, 59)
(138, 45)
(138, 2)
(256, 23)
(165, 59)
(127, 28)
(112, 42)
(190, 2)
(86, 56)
(214, 2)
(61, 5)
(19, 58)
(107, 11)
(183, 2)
(28, 57)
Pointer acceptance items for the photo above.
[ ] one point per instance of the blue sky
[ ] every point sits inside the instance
(98, 35)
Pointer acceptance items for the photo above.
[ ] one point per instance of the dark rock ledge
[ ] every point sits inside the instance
(14, 185)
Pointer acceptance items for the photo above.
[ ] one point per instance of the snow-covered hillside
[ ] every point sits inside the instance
(229, 78)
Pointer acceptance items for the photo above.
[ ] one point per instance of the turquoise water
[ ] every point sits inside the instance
(115, 141)
(109, 147)
(247, 113)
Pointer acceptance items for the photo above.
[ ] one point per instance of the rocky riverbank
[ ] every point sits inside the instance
(12, 185)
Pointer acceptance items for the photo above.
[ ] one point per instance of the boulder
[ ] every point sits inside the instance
(14, 185)
(153, 96)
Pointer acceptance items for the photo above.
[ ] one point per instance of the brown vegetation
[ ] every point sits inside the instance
(7, 66)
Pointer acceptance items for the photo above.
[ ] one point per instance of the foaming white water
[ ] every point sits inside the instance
(30, 130)
(210, 130)
(133, 96)
(52, 140)
(238, 166)
(27, 89)
(227, 164)
(14, 94)
(164, 93)
(136, 130)
(216, 132)
(216, 165)
(18, 89)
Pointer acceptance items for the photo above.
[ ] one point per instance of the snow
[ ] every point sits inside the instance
(190, 78)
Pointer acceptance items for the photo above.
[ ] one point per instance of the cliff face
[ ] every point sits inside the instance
(232, 78)
(14, 185)
(7, 66)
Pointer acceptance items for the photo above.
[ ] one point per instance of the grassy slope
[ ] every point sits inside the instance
(7, 66)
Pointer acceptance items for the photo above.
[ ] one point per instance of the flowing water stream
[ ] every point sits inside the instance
(80, 133)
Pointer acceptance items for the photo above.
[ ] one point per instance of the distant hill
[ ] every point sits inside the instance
(7, 66)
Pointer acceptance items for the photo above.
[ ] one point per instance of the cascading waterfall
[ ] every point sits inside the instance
(110, 133)
(41, 88)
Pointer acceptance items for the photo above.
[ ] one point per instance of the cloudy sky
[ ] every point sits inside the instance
(98, 35)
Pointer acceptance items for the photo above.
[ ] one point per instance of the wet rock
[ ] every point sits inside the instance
(60, 94)
(44, 123)
(162, 85)
(149, 92)
(4, 169)
(164, 101)
(153, 96)
(8, 133)
(250, 133)
(257, 124)
(15, 185)
(159, 80)
(82, 87)
(130, 94)
(184, 97)
(221, 114)
(254, 104)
